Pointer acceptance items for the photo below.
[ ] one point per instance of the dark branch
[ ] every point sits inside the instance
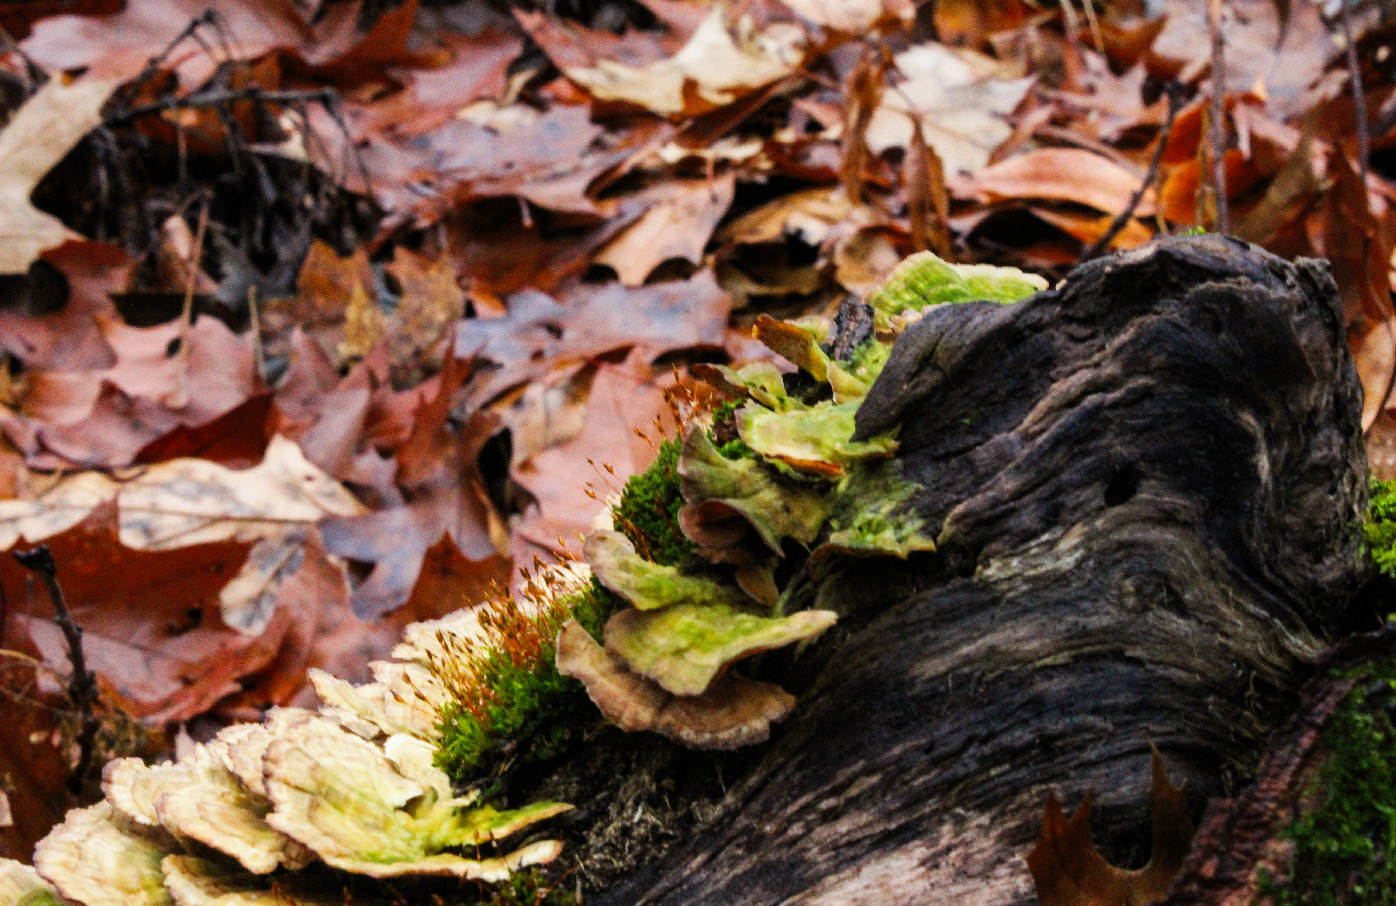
(82, 686)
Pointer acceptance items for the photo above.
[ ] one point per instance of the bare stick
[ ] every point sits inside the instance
(82, 686)
(1175, 99)
(191, 279)
(215, 98)
(1359, 100)
(1218, 119)
(258, 356)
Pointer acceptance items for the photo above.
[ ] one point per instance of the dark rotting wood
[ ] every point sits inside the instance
(1147, 485)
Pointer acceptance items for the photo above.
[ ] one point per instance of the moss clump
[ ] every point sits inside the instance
(531, 888)
(1379, 531)
(508, 702)
(1345, 847)
(648, 513)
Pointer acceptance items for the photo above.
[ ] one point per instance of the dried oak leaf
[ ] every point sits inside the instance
(961, 99)
(98, 858)
(712, 70)
(41, 132)
(1068, 870)
(734, 712)
(184, 502)
(681, 216)
(684, 647)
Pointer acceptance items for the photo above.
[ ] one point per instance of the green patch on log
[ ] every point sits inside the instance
(648, 513)
(1345, 846)
(524, 708)
(1379, 531)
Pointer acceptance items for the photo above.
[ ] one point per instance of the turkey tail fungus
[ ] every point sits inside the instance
(1145, 488)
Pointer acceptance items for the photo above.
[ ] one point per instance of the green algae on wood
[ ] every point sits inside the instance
(1344, 845)
(648, 585)
(924, 279)
(684, 647)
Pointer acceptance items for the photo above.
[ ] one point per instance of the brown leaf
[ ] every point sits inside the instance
(69, 338)
(1059, 174)
(36, 138)
(681, 217)
(151, 620)
(1068, 870)
(571, 481)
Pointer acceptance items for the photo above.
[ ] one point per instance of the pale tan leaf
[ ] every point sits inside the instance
(41, 132)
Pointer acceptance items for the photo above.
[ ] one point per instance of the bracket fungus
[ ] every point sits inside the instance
(288, 810)
(801, 483)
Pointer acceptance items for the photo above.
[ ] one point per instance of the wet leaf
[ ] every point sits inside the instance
(1068, 870)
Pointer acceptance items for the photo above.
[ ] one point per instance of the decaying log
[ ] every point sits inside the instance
(1148, 484)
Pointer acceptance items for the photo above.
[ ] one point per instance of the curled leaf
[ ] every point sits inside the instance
(1068, 870)
(684, 647)
(733, 712)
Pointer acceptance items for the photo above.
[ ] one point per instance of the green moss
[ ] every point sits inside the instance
(531, 888)
(1379, 531)
(648, 513)
(528, 708)
(1345, 846)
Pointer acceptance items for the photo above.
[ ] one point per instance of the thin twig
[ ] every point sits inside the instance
(1174, 91)
(82, 686)
(258, 356)
(191, 279)
(1218, 119)
(324, 96)
(1359, 100)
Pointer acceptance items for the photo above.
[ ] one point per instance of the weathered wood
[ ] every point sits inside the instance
(1148, 483)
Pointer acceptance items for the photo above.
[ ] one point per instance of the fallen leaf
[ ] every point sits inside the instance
(1060, 174)
(680, 219)
(41, 132)
(713, 69)
(69, 338)
(1068, 870)
(855, 17)
(152, 625)
(961, 98)
(193, 501)
(568, 501)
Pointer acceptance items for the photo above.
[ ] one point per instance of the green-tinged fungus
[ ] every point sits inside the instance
(795, 341)
(761, 381)
(20, 885)
(869, 515)
(924, 280)
(1379, 531)
(816, 441)
(733, 712)
(375, 709)
(724, 496)
(684, 647)
(193, 881)
(341, 796)
(648, 585)
(198, 798)
(98, 858)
